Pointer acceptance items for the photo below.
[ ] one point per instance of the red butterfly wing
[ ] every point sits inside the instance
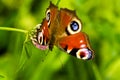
(77, 45)
(42, 35)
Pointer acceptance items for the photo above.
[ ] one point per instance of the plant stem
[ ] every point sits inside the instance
(13, 29)
(96, 72)
(57, 2)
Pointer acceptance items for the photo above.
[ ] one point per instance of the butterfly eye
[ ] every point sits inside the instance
(84, 54)
(74, 26)
(48, 16)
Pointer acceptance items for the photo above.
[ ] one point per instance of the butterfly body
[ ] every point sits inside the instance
(63, 29)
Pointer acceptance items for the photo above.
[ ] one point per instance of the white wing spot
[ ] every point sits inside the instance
(81, 41)
(83, 45)
(40, 37)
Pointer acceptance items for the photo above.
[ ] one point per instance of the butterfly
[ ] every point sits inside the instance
(62, 28)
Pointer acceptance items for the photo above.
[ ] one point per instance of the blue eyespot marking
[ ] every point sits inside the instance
(86, 54)
(48, 16)
(74, 26)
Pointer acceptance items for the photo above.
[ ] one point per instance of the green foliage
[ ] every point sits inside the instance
(20, 60)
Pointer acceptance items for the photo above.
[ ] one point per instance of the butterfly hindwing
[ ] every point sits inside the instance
(77, 45)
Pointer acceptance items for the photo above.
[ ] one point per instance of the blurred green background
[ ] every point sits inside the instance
(19, 61)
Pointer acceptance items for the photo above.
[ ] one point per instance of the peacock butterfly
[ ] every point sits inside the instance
(63, 29)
